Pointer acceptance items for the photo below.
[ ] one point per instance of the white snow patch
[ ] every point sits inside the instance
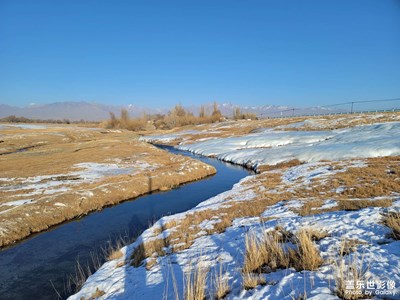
(357, 142)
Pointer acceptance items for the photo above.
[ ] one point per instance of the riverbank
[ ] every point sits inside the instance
(51, 174)
(329, 208)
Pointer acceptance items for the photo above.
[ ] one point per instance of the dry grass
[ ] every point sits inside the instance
(359, 204)
(392, 220)
(72, 195)
(348, 246)
(254, 257)
(251, 280)
(221, 284)
(268, 253)
(75, 281)
(263, 254)
(306, 256)
(195, 282)
(97, 294)
(358, 185)
(310, 207)
(113, 249)
(352, 272)
(186, 230)
(316, 234)
(147, 249)
(279, 166)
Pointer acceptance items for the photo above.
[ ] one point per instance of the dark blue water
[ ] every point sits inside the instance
(29, 269)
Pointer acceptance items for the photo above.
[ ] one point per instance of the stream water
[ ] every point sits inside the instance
(39, 266)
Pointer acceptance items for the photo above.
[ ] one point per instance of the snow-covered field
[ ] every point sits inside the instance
(24, 189)
(271, 147)
(325, 154)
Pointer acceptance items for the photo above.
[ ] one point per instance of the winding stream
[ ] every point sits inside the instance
(30, 269)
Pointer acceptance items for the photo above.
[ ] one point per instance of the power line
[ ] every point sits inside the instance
(332, 105)
(362, 101)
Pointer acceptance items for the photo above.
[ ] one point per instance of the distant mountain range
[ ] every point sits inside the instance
(76, 111)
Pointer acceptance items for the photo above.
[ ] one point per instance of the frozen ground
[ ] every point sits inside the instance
(271, 147)
(377, 254)
(119, 280)
(25, 188)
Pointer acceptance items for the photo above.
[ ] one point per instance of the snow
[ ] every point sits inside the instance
(272, 147)
(16, 203)
(127, 282)
(27, 126)
(171, 137)
(87, 172)
(119, 280)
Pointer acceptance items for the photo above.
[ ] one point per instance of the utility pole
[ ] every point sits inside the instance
(351, 111)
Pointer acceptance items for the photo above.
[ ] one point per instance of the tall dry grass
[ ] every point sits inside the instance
(268, 253)
(347, 275)
(195, 282)
(392, 220)
(176, 117)
(252, 280)
(306, 256)
(221, 284)
(125, 122)
(109, 252)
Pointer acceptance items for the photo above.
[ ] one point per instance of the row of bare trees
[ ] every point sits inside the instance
(176, 117)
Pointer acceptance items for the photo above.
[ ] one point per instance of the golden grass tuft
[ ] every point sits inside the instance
(348, 246)
(251, 280)
(268, 253)
(306, 256)
(359, 204)
(195, 282)
(316, 234)
(221, 284)
(113, 249)
(147, 249)
(352, 272)
(254, 257)
(310, 207)
(115, 254)
(263, 254)
(97, 294)
(276, 256)
(392, 220)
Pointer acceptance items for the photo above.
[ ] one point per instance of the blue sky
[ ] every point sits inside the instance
(159, 53)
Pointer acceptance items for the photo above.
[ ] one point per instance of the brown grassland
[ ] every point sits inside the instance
(41, 167)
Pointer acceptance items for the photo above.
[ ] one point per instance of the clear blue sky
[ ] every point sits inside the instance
(158, 53)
